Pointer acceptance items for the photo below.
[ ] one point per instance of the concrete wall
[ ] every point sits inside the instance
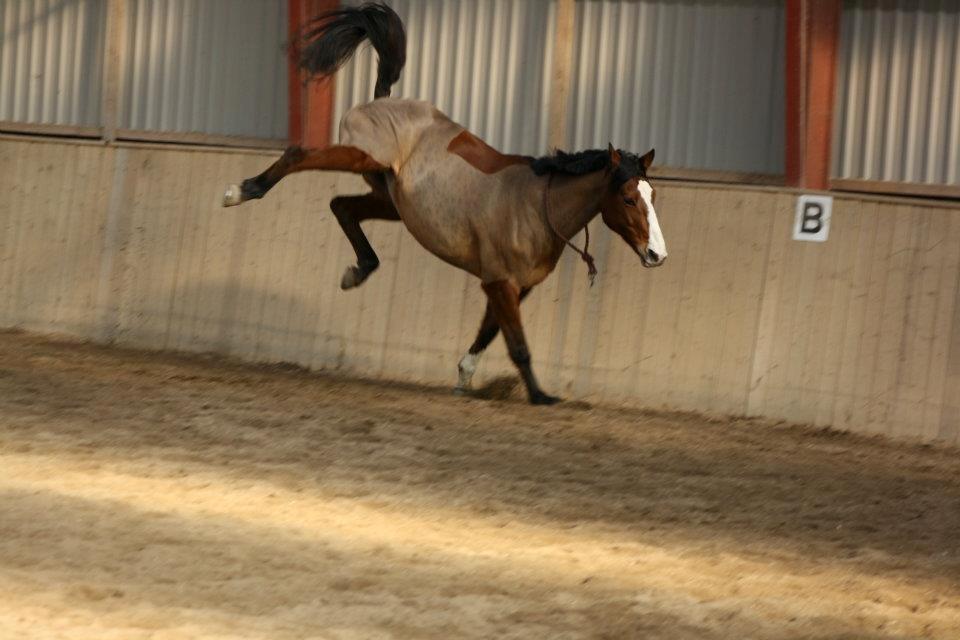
(129, 245)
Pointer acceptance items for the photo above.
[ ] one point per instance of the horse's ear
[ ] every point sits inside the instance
(614, 156)
(647, 160)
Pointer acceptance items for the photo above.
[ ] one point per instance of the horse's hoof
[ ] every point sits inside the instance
(352, 277)
(542, 398)
(253, 189)
(356, 275)
(465, 370)
(232, 197)
(461, 391)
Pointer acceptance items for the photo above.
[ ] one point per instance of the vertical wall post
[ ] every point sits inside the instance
(560, 74)
(813, 32)
(824, 34)
(110, 97)
(311, 102)
(318, 127)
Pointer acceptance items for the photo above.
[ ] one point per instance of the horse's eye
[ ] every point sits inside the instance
(630, 201)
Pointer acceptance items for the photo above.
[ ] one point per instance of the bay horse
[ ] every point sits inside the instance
(503, 218)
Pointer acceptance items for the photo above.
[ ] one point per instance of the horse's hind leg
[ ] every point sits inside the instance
(350, 212)
(489, 328)
(294, 159)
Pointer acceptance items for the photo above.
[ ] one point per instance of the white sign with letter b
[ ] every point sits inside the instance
(813, 218)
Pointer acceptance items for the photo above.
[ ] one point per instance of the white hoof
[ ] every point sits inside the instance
(232, 197)
(466, 368)
(351, 278)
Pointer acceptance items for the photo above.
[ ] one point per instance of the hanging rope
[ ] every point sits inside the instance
(585, 252)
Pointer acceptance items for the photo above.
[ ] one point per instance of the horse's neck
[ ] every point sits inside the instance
(575, 201)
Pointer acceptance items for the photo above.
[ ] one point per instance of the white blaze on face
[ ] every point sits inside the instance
(656, 243)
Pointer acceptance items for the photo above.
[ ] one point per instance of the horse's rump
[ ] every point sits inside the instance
(389, 129)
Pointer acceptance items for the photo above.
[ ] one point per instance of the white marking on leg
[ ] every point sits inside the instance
(656, 242)
(467, 367)
(233, 196)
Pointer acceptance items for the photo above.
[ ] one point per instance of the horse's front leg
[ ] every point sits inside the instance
(504, 299)
(489, 328)
(294, 159)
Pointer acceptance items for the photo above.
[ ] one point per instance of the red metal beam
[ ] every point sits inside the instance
(813, 31)
(319, 94)
(310, 102)
(824, 30)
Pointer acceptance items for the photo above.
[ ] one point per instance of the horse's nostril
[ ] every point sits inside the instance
(652, 255)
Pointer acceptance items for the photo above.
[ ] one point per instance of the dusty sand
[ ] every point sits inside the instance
(158, 496)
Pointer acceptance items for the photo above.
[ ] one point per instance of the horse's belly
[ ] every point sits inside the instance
(438, 214)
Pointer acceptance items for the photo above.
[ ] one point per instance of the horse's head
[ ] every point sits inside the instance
(628, 208)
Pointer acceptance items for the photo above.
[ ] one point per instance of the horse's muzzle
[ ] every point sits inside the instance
(650, 258)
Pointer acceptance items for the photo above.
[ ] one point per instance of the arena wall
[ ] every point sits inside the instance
(127, 244)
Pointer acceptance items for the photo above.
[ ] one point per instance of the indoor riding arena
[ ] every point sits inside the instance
(202, 436)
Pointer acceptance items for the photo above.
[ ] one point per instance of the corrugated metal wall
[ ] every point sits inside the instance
(702, 81)
(205, 66)
(484, 63)
(699, 80)
(898, 92)
(51, 61)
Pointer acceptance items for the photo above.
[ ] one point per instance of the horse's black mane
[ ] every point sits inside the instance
(575, 164)
(583, 162)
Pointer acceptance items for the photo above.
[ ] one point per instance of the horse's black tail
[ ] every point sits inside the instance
(331, 38)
